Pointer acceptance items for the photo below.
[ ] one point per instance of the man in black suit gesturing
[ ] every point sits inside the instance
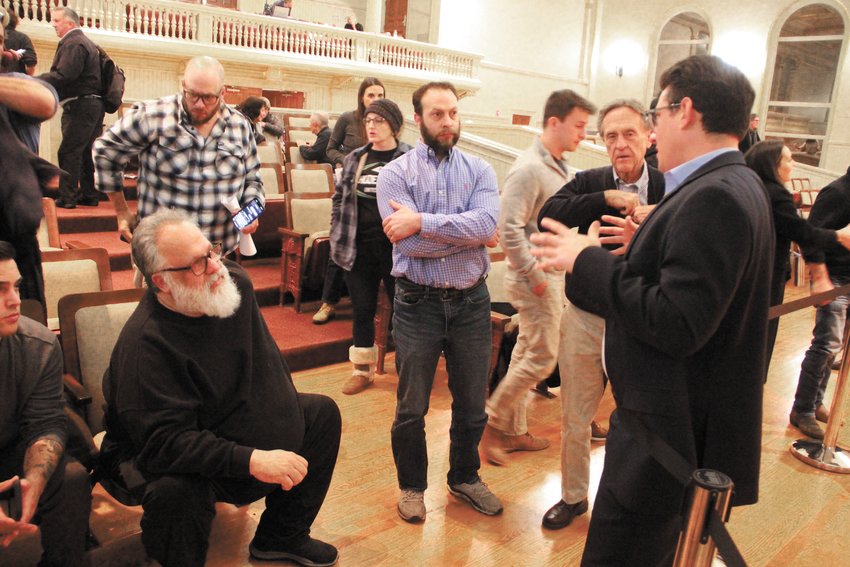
(685, 317)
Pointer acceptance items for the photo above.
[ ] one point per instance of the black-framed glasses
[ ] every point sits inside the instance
(199, 266)
(376, 120)
(194, 97)
(651, 115)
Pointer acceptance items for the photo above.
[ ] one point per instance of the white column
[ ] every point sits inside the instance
(374, 16)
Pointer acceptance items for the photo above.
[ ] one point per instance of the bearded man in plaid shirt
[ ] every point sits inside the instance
(193, 151)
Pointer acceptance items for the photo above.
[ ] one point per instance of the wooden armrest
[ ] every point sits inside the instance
(292, 234)
(75, 244)
(79, 393)
(499, 321)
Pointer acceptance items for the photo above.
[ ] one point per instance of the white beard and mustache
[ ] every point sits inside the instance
(221, 302)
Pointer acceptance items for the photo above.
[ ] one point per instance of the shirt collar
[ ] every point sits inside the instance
(69, 32)
(674, 178)
(425, 152)
(547, 156)
(641, 181)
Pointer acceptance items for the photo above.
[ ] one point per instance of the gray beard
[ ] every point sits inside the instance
(221, 303)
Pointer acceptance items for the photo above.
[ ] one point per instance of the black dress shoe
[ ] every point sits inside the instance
(89, 201)
(65, 204)
(562, 514)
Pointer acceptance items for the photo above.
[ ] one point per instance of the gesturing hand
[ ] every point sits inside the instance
(620, 232)
(560, 247)
(278, 467)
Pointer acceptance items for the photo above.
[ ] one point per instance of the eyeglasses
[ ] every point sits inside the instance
(199, 266)
(194, 97)
(377, 121)
(651, 115)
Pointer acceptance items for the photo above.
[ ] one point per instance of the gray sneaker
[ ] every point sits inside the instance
(478, 496)
(411, 506)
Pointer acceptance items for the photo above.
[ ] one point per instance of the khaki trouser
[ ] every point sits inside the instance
(582, 385)
(535, 354)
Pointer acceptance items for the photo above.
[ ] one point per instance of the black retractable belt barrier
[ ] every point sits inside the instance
(710, 493)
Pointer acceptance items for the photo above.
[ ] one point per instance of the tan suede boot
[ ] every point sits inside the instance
(364, 359)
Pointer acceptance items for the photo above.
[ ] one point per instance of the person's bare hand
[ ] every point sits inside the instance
(641, 212)
(623, 201)
(9, 528)
(560, 247)
(251, 228)
(402, 223)
(617, 231)
(278, 467)
(494, 240)
(124, 224)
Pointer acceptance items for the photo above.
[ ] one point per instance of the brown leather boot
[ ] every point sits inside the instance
(492, 446)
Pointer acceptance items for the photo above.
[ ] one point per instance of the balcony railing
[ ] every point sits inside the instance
(207, 25)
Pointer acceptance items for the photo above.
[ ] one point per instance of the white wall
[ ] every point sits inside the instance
(741, 33)
(530, 48)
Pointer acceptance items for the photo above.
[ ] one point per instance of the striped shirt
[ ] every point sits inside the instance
(458, 199)
(179, 168)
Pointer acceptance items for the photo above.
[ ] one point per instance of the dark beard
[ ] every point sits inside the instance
(440, 148)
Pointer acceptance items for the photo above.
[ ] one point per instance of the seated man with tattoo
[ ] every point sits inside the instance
(38, 483)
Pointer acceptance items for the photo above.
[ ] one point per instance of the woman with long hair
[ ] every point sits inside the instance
(257, 110)
(773, 163)
(348, 134)
(358, 243)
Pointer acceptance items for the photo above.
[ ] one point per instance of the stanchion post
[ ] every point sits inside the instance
(710, 489)
(827, 455)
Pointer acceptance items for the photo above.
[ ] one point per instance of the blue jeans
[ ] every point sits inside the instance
(427, 322)
(826, 342)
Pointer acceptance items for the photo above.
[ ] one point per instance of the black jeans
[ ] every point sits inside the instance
(63, 509)
(179, 509)
(373, 264)
(82, 122)
(332, 287)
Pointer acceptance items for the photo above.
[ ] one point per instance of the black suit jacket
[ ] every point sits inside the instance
(686, 326)
(582, 201)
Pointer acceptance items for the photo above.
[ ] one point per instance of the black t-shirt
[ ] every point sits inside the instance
(368, 218)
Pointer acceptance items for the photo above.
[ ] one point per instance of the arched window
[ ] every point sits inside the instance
(684, 35)
(800, 105)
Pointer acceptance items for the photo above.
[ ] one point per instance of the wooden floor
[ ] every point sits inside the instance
(801, 519)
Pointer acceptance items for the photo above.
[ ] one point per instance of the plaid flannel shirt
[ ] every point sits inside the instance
(180, 169)
(344, 211)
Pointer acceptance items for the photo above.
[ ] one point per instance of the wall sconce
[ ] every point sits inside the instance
(624, 57)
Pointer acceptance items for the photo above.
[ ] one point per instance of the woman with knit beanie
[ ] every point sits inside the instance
(358, 243)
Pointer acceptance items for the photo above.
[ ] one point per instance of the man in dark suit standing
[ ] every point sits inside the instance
(685, 317)
(751, 138)
(627, 187)
(75, 74)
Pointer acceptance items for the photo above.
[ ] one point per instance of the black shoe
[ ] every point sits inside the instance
(807, 425)
(89, 201)
(65, 204)
(307, 551)
(562, 514)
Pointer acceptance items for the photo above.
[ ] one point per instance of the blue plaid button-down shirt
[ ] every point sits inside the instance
(179, 169)
(459, 201)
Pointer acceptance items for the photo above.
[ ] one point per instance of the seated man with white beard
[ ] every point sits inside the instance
(201, 407)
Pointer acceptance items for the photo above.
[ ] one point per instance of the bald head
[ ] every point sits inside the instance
(206, 67)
